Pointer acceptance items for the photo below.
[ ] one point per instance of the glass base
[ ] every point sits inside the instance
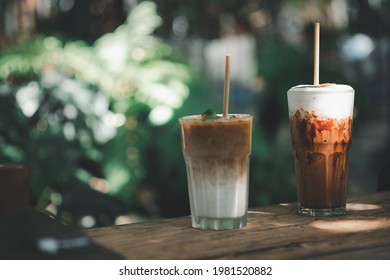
(218, 223)
(322, 212)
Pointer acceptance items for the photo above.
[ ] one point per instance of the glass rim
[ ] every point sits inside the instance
(334, 89)
(197, 118)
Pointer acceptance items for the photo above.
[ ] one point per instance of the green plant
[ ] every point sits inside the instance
(83, 115)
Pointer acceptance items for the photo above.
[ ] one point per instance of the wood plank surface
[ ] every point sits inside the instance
(274, 232)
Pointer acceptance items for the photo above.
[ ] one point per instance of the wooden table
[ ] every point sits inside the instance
(274, 232)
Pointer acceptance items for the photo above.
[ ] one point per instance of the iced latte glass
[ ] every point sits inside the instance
(321, 132)
(216, 153)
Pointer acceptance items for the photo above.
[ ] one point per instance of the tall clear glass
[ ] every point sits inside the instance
(216, 154)
(321, 131)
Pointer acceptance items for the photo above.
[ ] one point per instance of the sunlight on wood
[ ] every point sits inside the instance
(285, 204)
(362, 206)
(259, 212)
(351, 226)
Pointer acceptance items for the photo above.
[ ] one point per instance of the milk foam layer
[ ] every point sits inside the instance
(331, 101)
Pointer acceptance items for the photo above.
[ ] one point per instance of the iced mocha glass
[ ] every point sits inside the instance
(321, 131)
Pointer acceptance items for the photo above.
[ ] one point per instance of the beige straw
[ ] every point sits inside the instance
(316, 54)
(226, 87)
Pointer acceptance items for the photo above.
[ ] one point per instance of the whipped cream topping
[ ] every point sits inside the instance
(326, 100)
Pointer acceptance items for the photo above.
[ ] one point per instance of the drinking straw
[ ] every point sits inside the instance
(226, 87)
(316, 53)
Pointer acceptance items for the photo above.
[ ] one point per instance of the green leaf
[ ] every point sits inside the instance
(209, 115)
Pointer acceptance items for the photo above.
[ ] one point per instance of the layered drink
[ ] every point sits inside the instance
(216, 152)
(321, 132)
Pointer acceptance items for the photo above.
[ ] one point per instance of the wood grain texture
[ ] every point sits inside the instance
(274, 232)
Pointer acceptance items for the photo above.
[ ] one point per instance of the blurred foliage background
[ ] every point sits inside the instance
(91, 92)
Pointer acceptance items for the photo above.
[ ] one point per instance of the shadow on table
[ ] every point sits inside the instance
(35, 235)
